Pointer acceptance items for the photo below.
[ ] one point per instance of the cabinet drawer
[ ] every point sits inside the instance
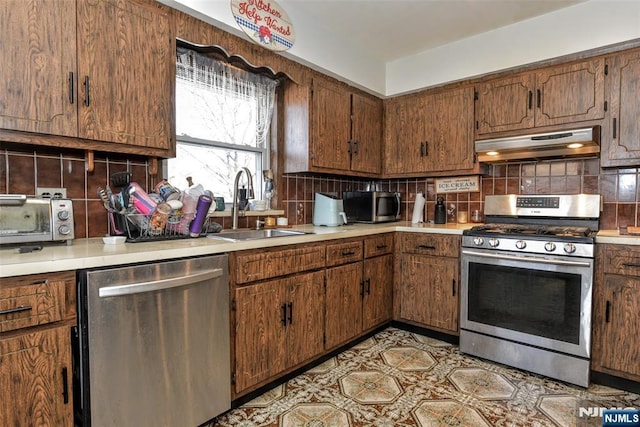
(31, 301)
(378, 245)
(431, 244)
(621, 259)
(342, 253)
(259, 265)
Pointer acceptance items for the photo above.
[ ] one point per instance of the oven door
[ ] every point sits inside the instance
(538, 300)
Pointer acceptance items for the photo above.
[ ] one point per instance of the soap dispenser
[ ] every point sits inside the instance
(440, 212)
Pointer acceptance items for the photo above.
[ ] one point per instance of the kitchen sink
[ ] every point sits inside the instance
(238, 235)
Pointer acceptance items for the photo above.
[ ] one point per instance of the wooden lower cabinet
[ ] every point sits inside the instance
(429, 281)
(343, 304)
(35, 378)
(37, 313)
(279, 324)
(616, 318)
(359, 294)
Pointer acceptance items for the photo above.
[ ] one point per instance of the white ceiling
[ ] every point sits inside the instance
(392, 29)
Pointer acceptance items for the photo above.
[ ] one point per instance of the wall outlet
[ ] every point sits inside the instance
(51, 192)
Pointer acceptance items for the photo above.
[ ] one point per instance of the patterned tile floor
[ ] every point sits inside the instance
(398, 378)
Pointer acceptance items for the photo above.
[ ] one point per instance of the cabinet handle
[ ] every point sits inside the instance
(283, 307)
(65, 386)
(615, 127)
(368, 286)
(362, 288)
(348, 253)
(16, 310)
(607, 312)
(631, 264)
(422, 149)
(530, 99)
(71, 91)
(426, 149)
(429, 247)
(453, 287)
(539, 98)
(381, 246)
(290, 313)
(86, 91)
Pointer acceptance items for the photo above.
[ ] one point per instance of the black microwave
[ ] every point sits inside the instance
(371, 206)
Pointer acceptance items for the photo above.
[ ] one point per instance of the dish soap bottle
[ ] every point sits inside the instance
(440, 212)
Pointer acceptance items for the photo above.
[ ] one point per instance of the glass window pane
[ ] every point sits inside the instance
(213, 167)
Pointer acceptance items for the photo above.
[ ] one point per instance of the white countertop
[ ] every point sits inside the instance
(614, 237)
(91, 253)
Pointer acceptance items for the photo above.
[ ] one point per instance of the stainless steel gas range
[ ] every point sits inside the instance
(526, 284)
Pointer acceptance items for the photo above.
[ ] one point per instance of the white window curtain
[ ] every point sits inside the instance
(222, 103)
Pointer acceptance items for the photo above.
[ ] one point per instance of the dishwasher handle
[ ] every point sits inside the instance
(157, 285)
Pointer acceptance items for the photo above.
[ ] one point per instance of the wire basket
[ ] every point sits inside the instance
(142, 228)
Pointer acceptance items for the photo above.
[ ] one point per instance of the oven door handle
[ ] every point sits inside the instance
(531, 259)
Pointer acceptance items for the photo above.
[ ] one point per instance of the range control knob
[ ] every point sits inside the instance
(521, 244)
(64, 230)
(569, 248)
(63, 215)
(478, 241)
(493, 242)
(549, 246)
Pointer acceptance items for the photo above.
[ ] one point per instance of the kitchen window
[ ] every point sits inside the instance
(223, 116)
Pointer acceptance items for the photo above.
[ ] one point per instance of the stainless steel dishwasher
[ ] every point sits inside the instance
(153, 344)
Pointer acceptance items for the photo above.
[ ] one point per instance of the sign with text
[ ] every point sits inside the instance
(466, 184)
(265, 22)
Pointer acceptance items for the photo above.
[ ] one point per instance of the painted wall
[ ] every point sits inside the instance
(584, 26)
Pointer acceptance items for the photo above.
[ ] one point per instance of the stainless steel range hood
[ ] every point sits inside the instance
(570, 143)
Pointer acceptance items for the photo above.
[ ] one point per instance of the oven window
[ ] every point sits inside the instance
(535, 302)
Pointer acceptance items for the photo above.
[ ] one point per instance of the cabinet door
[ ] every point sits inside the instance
(404, 136)
(305, 317)
(570, 93)
(343, 318)
(378, 295)
(330, 126)
(429, 291)
(38, 78)
(366, 134)
(620, 142)
(505, 104)
(259, 332)
(451, 131)
(126, 72)
(35, 379)
(618, 325)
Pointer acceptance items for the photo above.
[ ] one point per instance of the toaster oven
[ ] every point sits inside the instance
(25, 219)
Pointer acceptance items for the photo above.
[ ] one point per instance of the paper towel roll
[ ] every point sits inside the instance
(418, 209)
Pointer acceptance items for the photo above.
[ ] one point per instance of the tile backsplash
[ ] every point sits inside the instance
(22, 170)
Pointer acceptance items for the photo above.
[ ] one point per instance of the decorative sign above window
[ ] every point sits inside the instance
(467, 184)
(265, 22)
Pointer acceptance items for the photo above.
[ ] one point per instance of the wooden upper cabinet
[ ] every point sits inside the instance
(403, 134)
(551, 96)
(38, 76)
(430, 132)
(331, 128)
(452, 131)
(366, 134)
(505, 104)
(620, 142)
(126, 66)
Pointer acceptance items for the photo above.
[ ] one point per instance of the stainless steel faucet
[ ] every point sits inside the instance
(234, 207)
